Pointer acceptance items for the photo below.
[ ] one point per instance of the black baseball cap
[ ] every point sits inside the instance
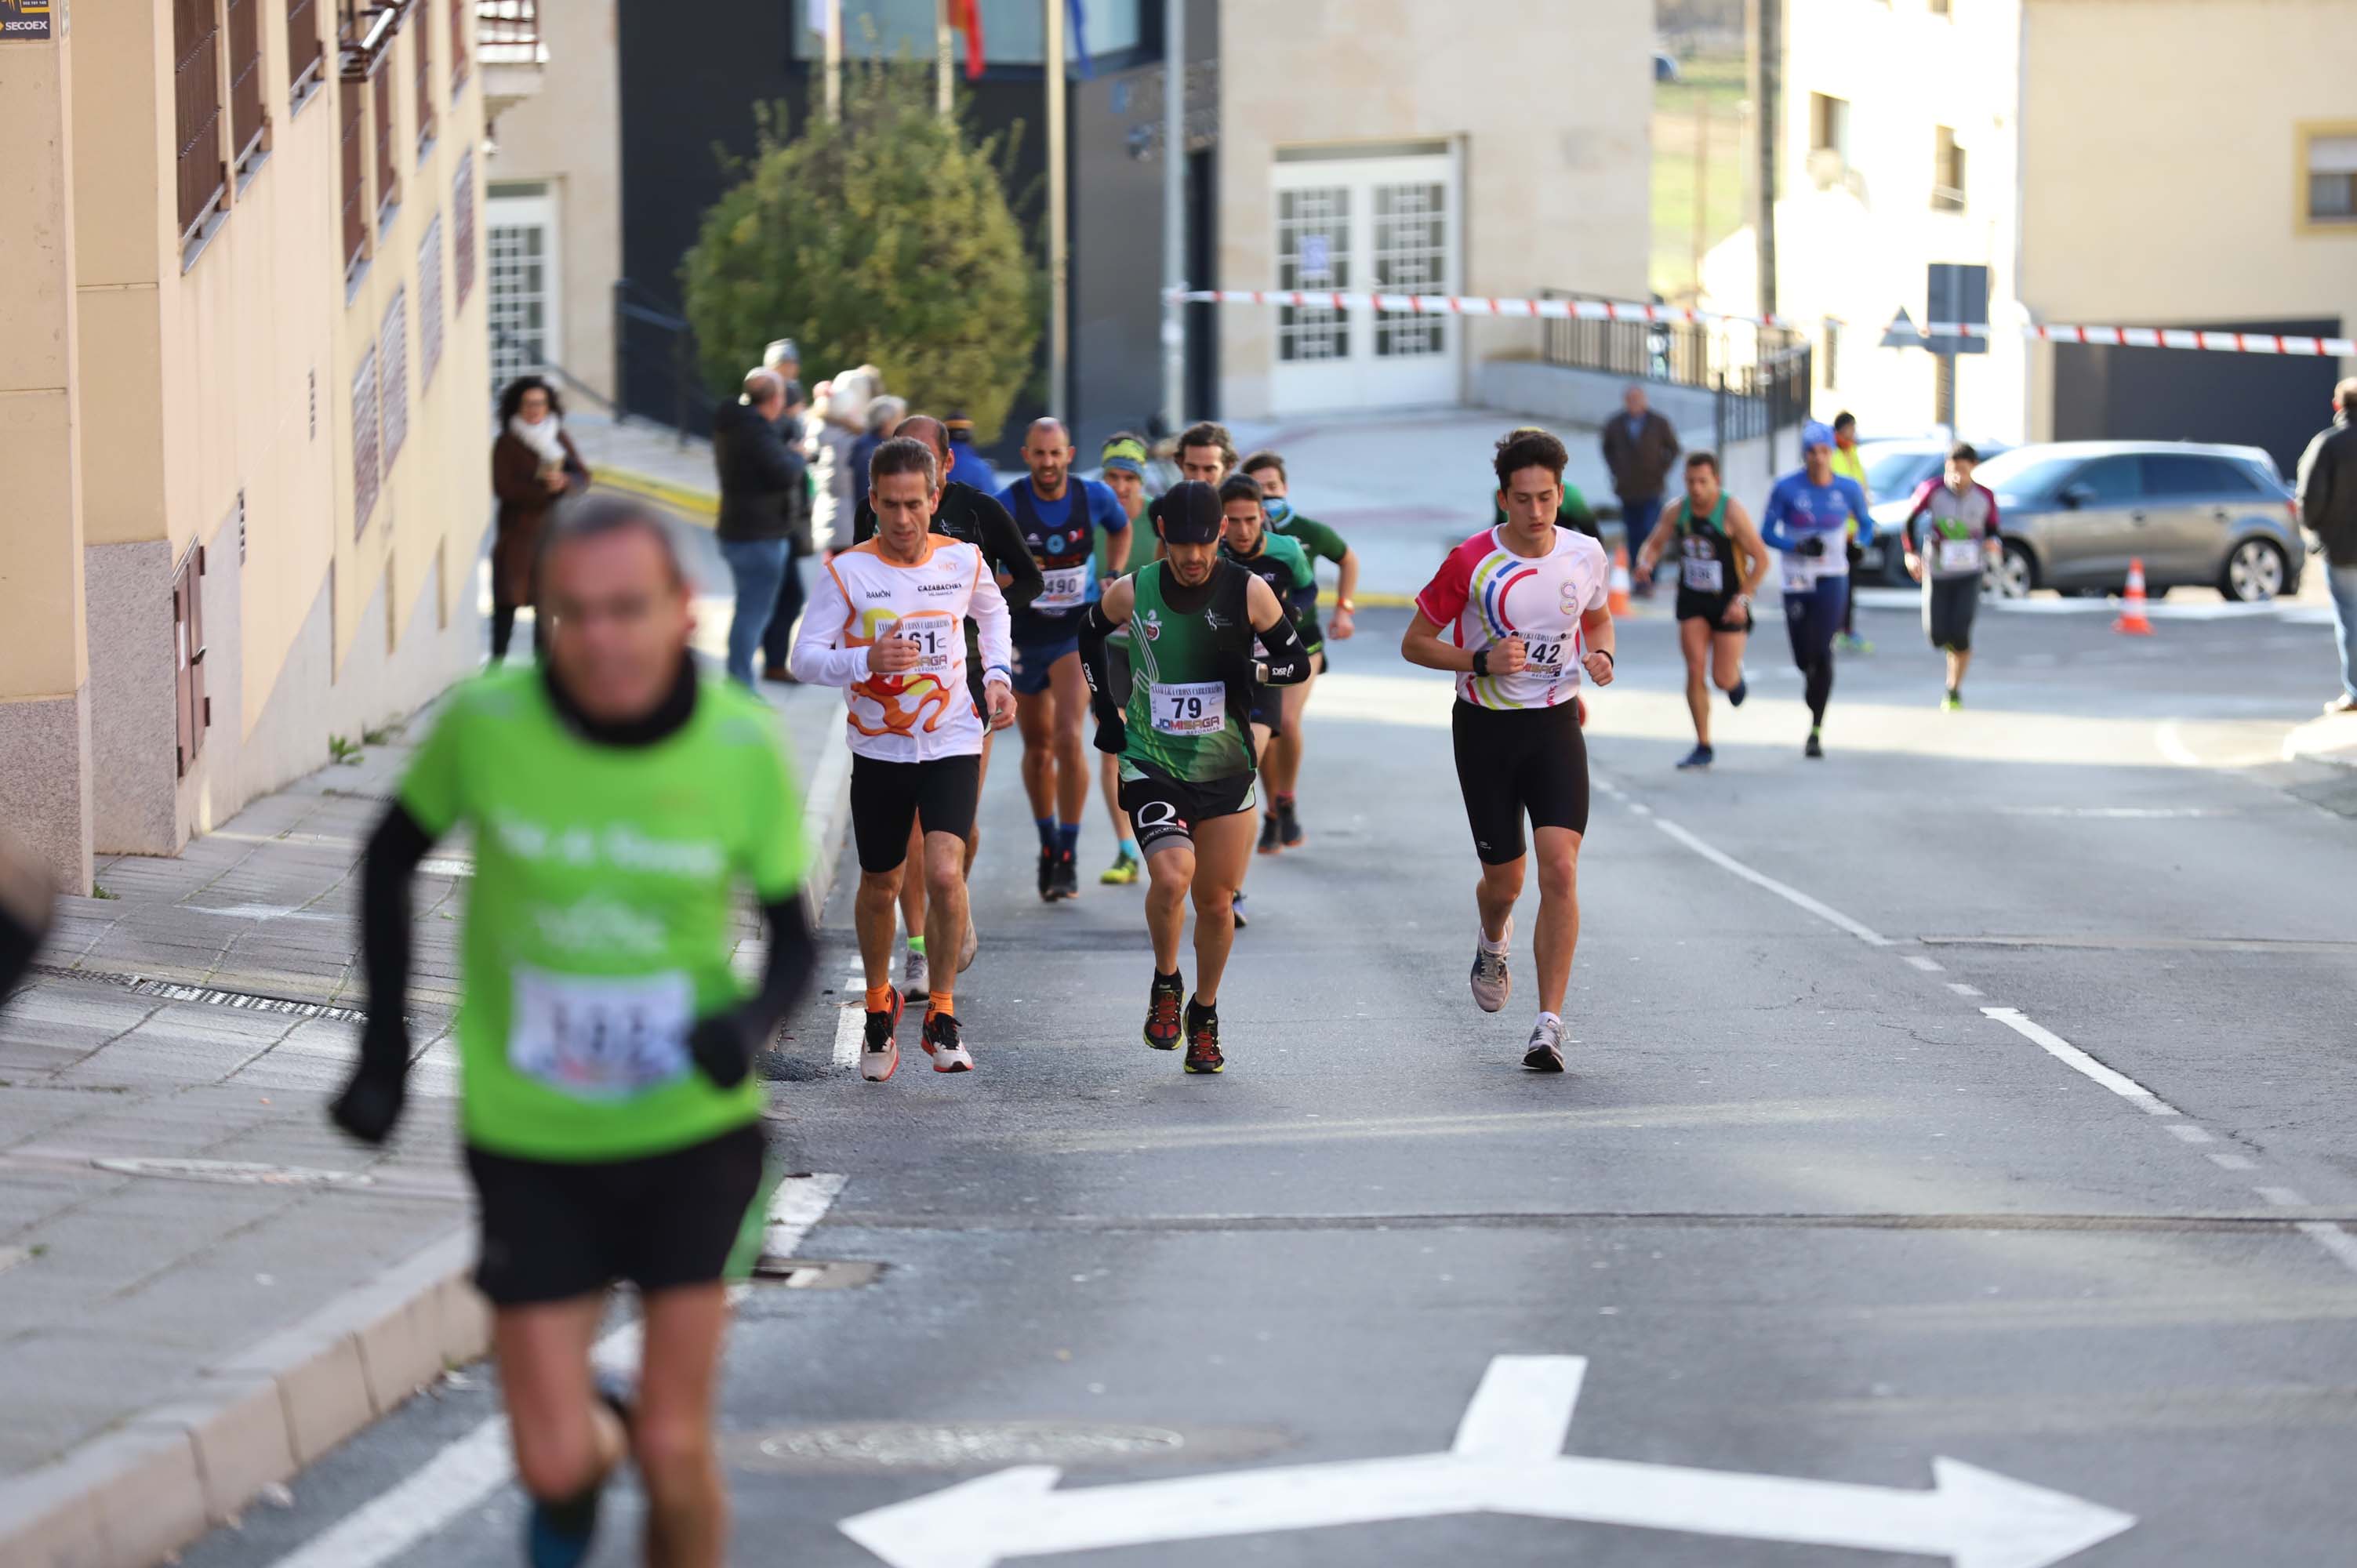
(1188, 513)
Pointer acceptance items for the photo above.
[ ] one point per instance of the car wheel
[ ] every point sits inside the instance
(2255, 571)
(2015, 576)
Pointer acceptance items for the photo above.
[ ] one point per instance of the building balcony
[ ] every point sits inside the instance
(513, 54)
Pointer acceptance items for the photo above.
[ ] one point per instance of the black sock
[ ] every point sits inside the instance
(1162, 979)
(1197, 1010)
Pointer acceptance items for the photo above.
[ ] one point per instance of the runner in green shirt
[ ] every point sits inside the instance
(1186, 757)
(617, 803)
(1282, 831)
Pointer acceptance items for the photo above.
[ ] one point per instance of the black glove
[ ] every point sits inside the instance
(720, 1045)
(1812, 546)
(1112, 734)
(371, 1101)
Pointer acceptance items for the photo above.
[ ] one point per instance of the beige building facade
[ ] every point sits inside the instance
(1406, 147)
(245, 411)
(2111, 161)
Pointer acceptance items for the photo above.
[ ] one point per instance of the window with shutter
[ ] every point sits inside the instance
(429, 302)
(303, 49)
(392, 376)
(422, 43)
(365, 473)
(195, 97)
(388, 178)
(355, 180)
(245, 117)
(458, 12)
(462, 232)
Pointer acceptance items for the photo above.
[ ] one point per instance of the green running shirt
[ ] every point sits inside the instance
(1189, 714)
(600, 915)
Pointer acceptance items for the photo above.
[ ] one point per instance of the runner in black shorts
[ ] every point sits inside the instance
(1720, 564)
(1952, 535)
(1524, 603)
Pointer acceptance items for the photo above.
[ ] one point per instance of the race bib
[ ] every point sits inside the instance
(596, 1037)
(1192, 707)
(1800, 573)
(1960, 555)
(1545, 659)
(939, 641)
(1067, 588)
(1706, 576)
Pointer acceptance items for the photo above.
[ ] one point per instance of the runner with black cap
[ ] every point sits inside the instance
(1186, 746)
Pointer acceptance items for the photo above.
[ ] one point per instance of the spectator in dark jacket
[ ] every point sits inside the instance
(761, 486)
(2327, 507)
(534, 466)
(1639, 447)
(884, 417)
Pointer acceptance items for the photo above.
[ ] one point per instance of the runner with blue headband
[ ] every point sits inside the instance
(1807, 518)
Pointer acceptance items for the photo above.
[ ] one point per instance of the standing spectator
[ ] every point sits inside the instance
(1639, 448)
(784, 357)
(838, 418)
(2327, 505)
(761, 482)
(1850, 464)
(968, 467)
(884, 417)
(533, 465)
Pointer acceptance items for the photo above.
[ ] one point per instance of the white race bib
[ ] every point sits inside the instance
(1067, 588)
(1544, 658)
(1800, 573)
(1706, 576)
(1960, 555)
(1192, 707)
(597, 1037)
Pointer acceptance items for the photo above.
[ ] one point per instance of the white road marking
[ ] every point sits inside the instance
(1506, 1461)
(2234, 1162)
(1960, 989)
(851, 1020)
(2190, 1134)
(472, 1467)
(2332, 1238)
(1824, 912)
(2283, 1197)
(2115, 813)
(2071, 1057)
(2172, 745)
(1929, 966)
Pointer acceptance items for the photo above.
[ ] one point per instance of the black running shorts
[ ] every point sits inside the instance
(1513, 762)
(1949, 605)
(1164, 812)
(1719, 610)
(554, 1230)
(887, 798)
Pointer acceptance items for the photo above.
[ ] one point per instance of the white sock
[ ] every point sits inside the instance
(1489, 945)
(1547, 1018)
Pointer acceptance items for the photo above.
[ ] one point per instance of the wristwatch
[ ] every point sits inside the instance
(1481, 661)
(1343, 604)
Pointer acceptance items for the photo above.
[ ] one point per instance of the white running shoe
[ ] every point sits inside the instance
(943, 1043)
(967, 944)
(1545, 1053)
(916, 977)
(1494, 978)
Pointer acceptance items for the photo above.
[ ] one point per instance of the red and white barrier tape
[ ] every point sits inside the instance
(1612, 310)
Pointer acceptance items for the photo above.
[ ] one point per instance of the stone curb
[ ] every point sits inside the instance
(166, 1477)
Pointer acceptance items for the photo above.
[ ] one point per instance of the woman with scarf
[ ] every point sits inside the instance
(533, 465)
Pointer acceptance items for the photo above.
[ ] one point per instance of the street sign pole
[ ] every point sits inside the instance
(1058, 240)
(1174, 213)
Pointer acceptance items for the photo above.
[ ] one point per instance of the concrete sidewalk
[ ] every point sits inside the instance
(203, 1286)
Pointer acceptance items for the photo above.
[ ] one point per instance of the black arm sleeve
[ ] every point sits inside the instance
(1003, 547)
(1288, 658)
(1098, 667)
(724, 1045)
(863, 524)
(370, 1102)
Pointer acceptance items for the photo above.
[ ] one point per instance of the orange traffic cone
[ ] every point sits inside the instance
(1618, 603)
(2132, 620)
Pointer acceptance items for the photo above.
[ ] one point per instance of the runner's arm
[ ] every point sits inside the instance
(991, 623)
(370, 1102)
(1774, 519)
(724, 1044)
(1747, 544)
(816, 659)
(1649, 555)
(1596, 631)
(1287, 662)
(1103, 616)
(1003, 547)
(1854, 493)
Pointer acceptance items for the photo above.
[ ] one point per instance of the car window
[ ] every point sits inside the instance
(1892, 475)
(2179, 474)
(2023, 475)
(2113, 480)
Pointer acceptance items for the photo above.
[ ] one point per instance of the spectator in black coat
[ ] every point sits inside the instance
(2327, 507)
(762, 485)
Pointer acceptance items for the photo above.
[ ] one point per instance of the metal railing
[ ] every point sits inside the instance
(1759, 377)
(657, 362)
(507, 32)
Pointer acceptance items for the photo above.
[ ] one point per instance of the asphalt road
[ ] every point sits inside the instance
(1806, 1210)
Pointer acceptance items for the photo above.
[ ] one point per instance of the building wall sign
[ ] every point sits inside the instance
(23, 20)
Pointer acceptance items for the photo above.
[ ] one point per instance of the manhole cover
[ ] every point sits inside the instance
(987, 1445)
(239, 1173)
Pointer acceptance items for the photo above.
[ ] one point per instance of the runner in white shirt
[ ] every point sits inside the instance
(1523, 609)
(888, 624)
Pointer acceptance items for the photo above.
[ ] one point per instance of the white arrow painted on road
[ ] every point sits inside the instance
(1506, 1460)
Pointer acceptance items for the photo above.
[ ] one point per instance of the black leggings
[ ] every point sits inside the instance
(1811, 618)
(503, 631)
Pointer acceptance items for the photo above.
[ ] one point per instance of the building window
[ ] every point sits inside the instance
(1411, 257)
(429, 302)
(193, 712)
(2331, 168)
(365, 441)
(1938, 8)
(196, 96)
(462, 232)
(458, 10)
(422, 41)
(349, 136)
(303, 50)
(1947, 172)
(1829, 125)
(1831, 356)
(1013, 33)
(520, 245)
(392, 378)
(388, 177)
(245, 121)
(1313, 252)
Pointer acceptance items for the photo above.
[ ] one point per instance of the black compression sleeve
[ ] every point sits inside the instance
(1096, 666)
(785, 975)
(1288, 659)
(394, 852)
(1003, 547)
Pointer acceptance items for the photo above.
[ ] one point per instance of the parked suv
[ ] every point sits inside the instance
(2076, 512)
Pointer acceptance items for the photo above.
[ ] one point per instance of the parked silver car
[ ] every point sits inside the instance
(2075, 513)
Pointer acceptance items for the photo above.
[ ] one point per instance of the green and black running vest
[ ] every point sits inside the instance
(1706, 554)
(1191, 677)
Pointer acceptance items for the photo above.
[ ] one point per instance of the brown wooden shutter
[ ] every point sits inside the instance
(354, 179)
(196, 100)
(422, 36)
(245, 116)
(302, 38)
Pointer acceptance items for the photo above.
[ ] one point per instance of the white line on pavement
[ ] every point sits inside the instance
(1824, 912)
(1960, 989)
(475, 1465)
(2190, 1134)
(851, 1019)
(2071, 1057)
(2332, 1238)
(1927, 965)
(2283, 1197)
(2234, 1162)
(1521, 1408)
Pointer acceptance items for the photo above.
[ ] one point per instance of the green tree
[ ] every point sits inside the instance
(885, 239)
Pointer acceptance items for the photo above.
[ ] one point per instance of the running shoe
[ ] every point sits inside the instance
(1493, 977)
(1122, 872)
(1048, 894)
(916, 977)
(1068, 875)
(1203, 1039)
(1162, 1004)
(969, 944)
(1237, 904)
(1268, 844)
(1850, 642)
(1814, 746)
(1545, 1053)
(941, 1043)
(1736, 693)
(1289, 825)
(1698, 757)
(1952, 702)
(881, 1059)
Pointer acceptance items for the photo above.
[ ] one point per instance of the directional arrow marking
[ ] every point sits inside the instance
(1504, 1461)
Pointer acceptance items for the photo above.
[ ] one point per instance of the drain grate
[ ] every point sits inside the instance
(180, 991)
